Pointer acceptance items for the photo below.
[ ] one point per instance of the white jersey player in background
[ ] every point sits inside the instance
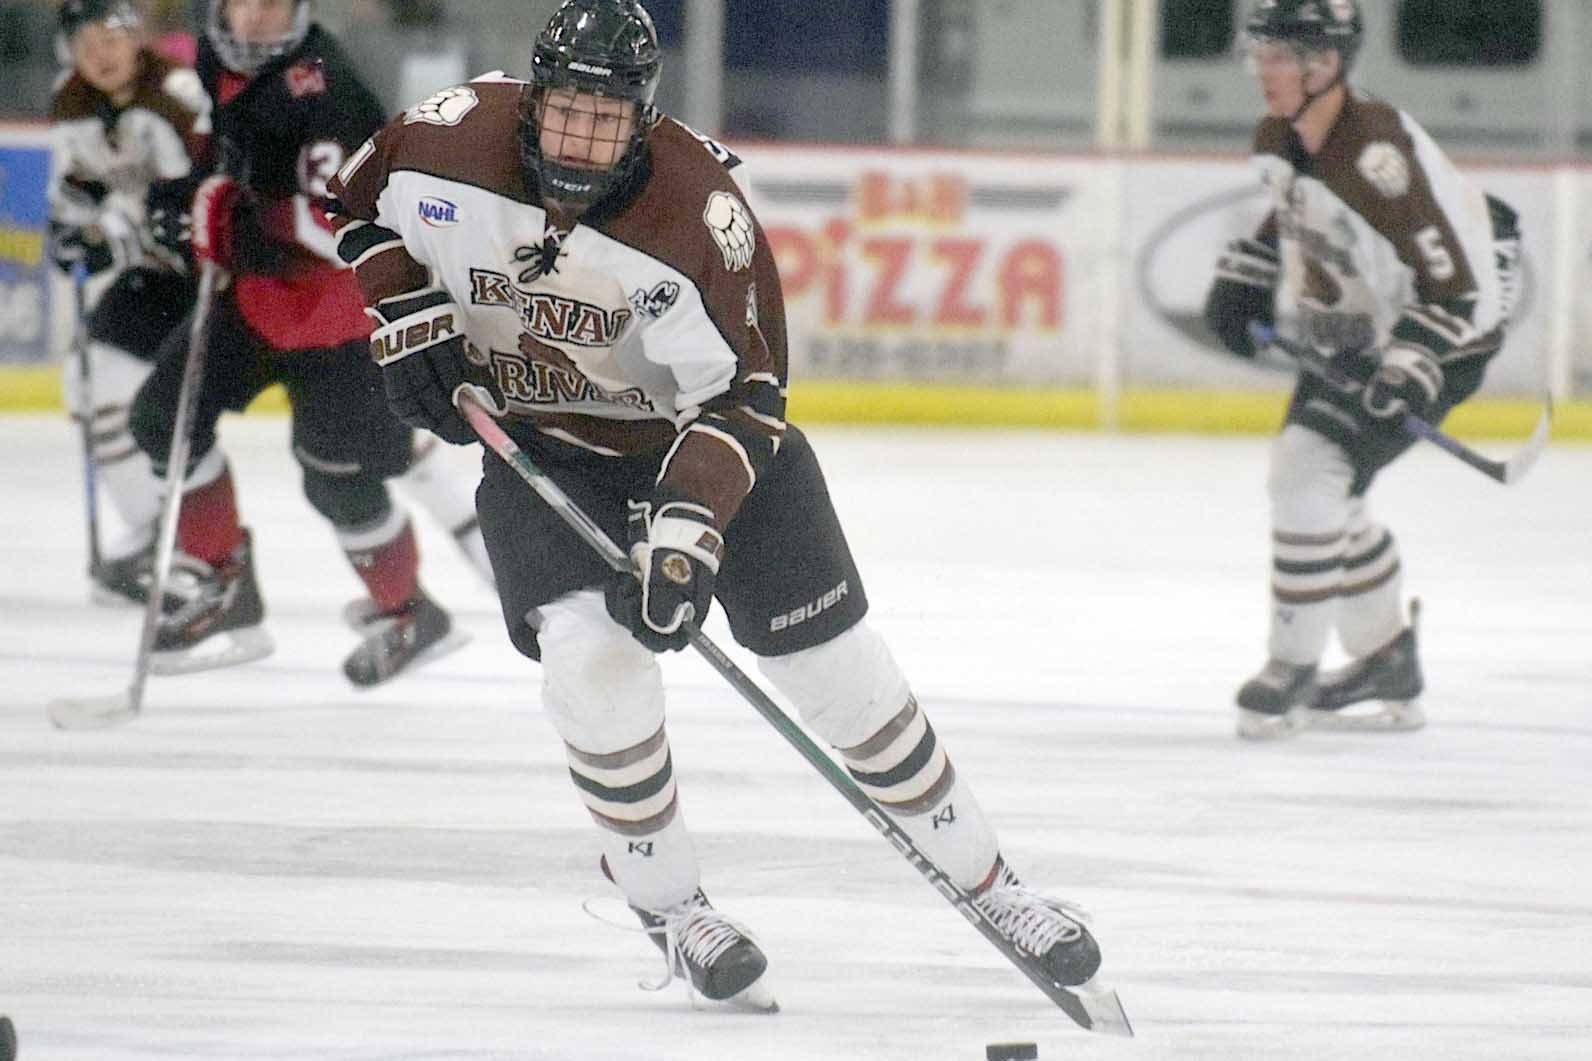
(1380, 254)
(595, 264)
(121, 119)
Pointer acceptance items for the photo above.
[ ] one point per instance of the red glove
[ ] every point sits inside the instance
(214, 205)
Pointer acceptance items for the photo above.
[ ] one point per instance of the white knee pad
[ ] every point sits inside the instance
(1308, 483)
(603, 690)
(845, 689)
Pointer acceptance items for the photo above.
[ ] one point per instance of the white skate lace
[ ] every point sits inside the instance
(1033, 921)
(192, 581)
(695, 932)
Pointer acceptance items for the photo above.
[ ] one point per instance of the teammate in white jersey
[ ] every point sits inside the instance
(1380, 254)
(121, 119)
(595, 266)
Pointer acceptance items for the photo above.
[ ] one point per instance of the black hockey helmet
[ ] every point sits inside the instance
(75, 14)
(245, 57)
(603, 47)
(1309, 25)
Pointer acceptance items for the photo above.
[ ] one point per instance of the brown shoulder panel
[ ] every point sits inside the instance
(152, 96)
(481, 148)
(73, 101)
(1369, 162)
(471, 136)
(1272, 136)
(671, 220)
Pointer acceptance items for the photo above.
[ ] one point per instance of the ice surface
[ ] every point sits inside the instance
(270, 864)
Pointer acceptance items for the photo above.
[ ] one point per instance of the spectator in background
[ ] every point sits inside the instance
(171, 31)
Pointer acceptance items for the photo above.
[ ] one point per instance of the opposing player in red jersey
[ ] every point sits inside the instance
(289, 107)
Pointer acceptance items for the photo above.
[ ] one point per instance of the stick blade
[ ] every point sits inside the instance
(93, 712)
(1521, 462)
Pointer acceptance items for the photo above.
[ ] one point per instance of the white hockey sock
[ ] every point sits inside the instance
(448, 498)
(1308, 484)
(631, 796)
(1369, 615)
(133, 489)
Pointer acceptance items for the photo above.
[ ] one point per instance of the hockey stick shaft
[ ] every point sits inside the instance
(107, 711)
(554, 496)
(85, 413)
(211, 280)
(1509, 471)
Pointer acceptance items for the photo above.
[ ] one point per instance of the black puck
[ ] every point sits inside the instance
(1011, 1052)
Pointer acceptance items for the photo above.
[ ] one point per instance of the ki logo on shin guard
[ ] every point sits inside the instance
(644, 849)
(946, 817)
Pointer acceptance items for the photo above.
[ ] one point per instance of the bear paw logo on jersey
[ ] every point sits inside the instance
(1383, 166)
(447, 107)
(438, 212)
(731, 225)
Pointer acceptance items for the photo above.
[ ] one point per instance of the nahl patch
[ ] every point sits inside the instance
(1383, 165)
(800, 615)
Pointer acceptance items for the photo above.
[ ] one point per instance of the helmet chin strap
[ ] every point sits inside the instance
(1311, 97)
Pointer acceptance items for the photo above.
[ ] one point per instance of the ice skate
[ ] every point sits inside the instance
(1377, 692)
(1273, 703)
(126, 579)
(220, 622)
(418, 632)
(716, 955)
(1045, 928)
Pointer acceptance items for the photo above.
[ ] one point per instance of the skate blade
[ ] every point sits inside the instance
(227, 649)
(1390, 716)
(109, 598)
(362, 616)
(1259, 725)
(1106, 1015)
(753, 998)
(92, 712)
(455, 640)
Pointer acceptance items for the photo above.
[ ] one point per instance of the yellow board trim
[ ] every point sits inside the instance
(38, 389)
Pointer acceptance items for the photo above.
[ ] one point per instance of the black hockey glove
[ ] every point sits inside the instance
(1408, 380)
(168, 217)
(424, 361)
(1246, 275)
(676, 547)
(71, 244)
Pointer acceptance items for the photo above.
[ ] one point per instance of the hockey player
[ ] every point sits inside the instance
(288, 109)
(121, 119)
(593, 267)
(1378, 252)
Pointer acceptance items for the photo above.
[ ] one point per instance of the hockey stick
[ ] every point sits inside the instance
(1506, 472)
(102, 711)
(85, 418)
(1097, 1010)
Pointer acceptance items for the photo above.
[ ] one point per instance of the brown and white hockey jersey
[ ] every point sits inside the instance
(655, 323)
(1381, 239)
(113, 154)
